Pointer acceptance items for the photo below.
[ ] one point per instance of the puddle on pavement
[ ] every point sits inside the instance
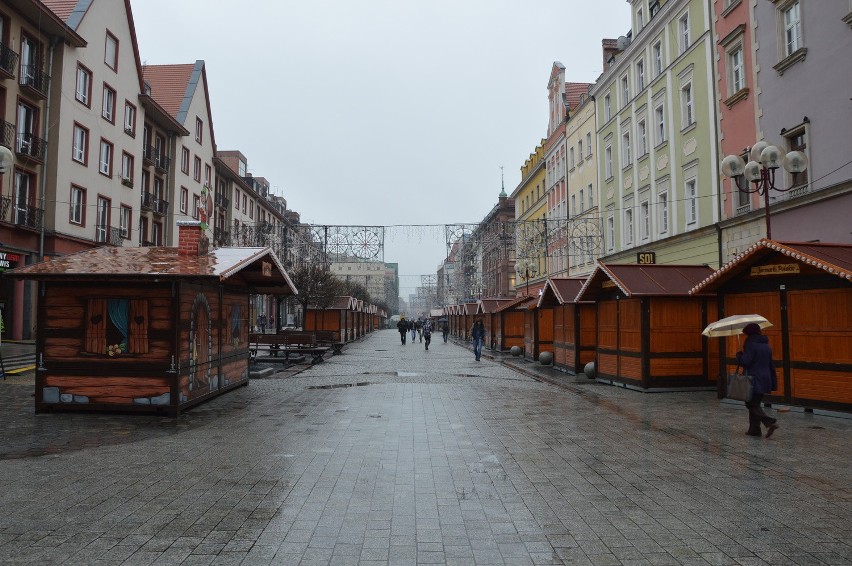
(339, 385)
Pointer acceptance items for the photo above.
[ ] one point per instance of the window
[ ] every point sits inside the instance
(78, 206)
(660, 124)
(797, 141)
(108, 105)
(105, 158)
(127, 169)
(207, 175)
(691, 196)
(129, 119)
(184, 161)
(588, 144)
(642, 132)
(653, 7)
(158, 188)
(245, 203)
(184, 199)
(736, 74)
(628, 226)
(658, 58)
(640, 19)
(146, 181)
(580, 152)
(686, 105)
(625, 91)
(574, 204)
(608, 161)
(664, 213)
(111, 52)
(31, 63)
(644, 221)
(640, 75)
(196, 202)
(582, 200)
(124, 220)
(27, 130)
(683, 32)
(236, 199)
(83, 92)
(625, 149)
(157, 233)
(571, 153)
(591, 197)
(610, 232)
(792, 28)
(102, 220)
(196, 169)
(607, 108)
(251, 210)
(199, 129)
(80, 148)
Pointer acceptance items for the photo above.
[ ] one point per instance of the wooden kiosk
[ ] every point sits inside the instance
(649, 327)
(510, 323)
(486, 309)
(333, 318)
(148, 330)
(538, 330)
(573, 323)
(805, 291)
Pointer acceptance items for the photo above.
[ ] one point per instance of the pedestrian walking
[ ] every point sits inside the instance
(477, 332)
(756, 359)
(445, 330)
(413, 329)
(402, 327)
(261, 323)
(419, 326)
(427, 332)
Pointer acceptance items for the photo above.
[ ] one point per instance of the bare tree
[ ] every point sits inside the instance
(316, 285)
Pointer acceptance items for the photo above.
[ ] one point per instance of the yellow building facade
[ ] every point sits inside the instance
(531, 203)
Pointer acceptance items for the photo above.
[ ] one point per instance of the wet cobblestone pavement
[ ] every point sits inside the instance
(390, 454)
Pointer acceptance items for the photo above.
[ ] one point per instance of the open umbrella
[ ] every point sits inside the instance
(733, 325)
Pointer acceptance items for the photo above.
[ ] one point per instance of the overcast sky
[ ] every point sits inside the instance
(383, 112)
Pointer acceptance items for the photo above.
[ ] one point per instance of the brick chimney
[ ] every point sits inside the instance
(191, 238)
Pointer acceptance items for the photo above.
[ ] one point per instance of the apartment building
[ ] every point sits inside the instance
(583, 230)
(656, 125)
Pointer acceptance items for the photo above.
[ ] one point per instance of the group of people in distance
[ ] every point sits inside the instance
(421, 327)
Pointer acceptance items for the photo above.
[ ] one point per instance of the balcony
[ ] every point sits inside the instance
(108, 235)
(34, 80)
(7, 135)
(30, 146)
(744, 209)
(8, 61)
(221, 237)
(5, 205)
(158, 206)
(28, 216)
(222, 201)
(151, 156)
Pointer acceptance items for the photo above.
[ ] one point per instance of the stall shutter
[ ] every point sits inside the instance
(96, 327)
(138, 332)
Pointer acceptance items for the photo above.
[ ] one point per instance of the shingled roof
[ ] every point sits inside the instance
(573, 91)
(636, 280)
(169, 85)
(561, 289)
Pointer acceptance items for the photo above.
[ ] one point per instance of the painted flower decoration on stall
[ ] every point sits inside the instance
(116, 349)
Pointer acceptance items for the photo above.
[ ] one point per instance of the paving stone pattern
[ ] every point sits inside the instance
(390, 454)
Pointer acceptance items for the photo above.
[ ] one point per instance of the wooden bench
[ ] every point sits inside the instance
(330, 338)
(290, 342)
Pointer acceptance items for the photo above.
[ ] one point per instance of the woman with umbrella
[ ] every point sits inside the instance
(756, 359)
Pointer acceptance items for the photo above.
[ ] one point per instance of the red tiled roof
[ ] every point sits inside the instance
(835, 259)
(61, 8)
(573, 92)
(645, 280)
(168, 84)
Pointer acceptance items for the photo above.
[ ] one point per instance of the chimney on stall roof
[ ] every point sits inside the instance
(191, 238)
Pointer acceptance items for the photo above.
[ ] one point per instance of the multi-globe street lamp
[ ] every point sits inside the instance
(760, 170)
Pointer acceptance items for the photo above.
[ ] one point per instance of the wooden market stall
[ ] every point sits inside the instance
(332, 318)
(486, 309)
(468, 315)
(510, 323)
(538, 330)
(149, 329)
(649, 327)
(805, 291)
(573, 323)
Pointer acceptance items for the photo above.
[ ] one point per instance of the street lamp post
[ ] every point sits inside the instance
(526, 270)
(760, 170)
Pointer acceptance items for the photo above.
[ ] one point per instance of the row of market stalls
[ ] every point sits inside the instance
(641, 325)
(347, 317)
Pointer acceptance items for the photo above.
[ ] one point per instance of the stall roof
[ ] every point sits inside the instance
(489, 306)
(645, 280)
(337, 304)
(469, 308)
(241, 266)
(519, 303)
(835, 259)
(563, 289)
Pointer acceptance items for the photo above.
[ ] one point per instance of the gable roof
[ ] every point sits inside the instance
(48, 21)
(469, 308)
(519, 303)
(560, 290)
(835, 259)
(488, 306)
(573, 91)
(240, 266)
(174, 86)
(644, 280)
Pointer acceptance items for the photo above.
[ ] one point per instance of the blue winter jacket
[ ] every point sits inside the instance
(756, 359)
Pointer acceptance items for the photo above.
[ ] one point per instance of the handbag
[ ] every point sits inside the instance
(740, 386)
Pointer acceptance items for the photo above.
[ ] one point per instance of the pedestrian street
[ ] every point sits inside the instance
(391, 454)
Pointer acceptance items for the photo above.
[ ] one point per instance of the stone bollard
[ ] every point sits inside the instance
(545, 358)
(589, 370)
(516, 351)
